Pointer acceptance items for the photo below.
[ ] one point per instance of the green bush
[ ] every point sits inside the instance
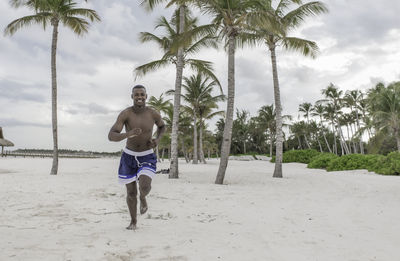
(348, 162)
(389, 165)
(321, 161)
(301, 156)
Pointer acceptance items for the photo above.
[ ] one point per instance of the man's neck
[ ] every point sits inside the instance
(138, 108)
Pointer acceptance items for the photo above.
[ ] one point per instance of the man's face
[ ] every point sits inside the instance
(139, 96)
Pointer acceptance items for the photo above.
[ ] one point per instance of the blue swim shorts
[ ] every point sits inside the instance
(134, 164)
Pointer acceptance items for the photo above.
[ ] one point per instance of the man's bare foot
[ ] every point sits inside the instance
(132, 226)
(143, 206)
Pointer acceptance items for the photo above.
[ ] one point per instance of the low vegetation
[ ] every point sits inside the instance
(385, 165)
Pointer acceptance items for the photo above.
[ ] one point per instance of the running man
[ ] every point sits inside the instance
(138, 161)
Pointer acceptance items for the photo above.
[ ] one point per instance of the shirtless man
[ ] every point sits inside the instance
(138, 161)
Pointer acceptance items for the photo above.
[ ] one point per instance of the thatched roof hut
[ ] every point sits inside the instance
(4, 142)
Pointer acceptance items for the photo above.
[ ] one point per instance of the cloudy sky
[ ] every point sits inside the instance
(359, 44)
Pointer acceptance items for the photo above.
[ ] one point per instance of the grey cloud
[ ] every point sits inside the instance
(356, 22)
(91, 108)
(15, 91)
(9, 122)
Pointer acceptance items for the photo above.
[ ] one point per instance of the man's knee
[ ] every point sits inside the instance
(144, 184)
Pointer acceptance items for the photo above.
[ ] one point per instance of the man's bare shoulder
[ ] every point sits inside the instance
(153, 112)
(125, 112)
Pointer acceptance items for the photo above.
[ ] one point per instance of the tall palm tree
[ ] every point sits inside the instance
(275, 34)
(177, 45)
(181, 11)
(53, 12)
(229, 18)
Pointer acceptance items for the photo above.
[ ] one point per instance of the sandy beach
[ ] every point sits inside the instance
(308, 215)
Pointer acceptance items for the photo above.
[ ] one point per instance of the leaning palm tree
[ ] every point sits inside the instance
(284, 22)
(178, 45)
(53, 12)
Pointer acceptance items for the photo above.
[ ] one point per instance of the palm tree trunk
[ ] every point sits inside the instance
(202, 158)
(299, 140)
(397, 135)
(195, 149)
(270, 147)
(334, 138)
(54, 168)
(185, 153)
(227, 136)
(307, 143)
(174, 170)
(358, 129)
(158, 154)
(323, 133)
(319, 144)
(278, 111)
(348, 137)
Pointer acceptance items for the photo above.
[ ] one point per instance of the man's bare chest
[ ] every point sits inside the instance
(143, 120)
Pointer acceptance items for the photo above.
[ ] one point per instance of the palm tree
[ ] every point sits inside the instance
(353, 99)
(319, 110)
(229, 18)
(53, 12)
(335, 97)
(267, 119)
(198, 95)
(207, 112)
(180, 64)
(385, 105)
(275, 34)
(177, 45)
(306, 108)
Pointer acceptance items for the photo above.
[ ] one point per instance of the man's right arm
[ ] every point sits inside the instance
(115, 131)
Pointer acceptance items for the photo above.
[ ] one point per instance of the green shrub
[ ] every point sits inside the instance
(348, 162)
(321, 161)
(377, 163)
(301, 156)
(389, 165)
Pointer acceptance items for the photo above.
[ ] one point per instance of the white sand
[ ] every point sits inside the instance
(308, 215)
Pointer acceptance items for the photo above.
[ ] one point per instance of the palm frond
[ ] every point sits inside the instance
(149, 5)
(78, 25)
(306, 47)
(204, 68)
(149, 67)
(40, 18)
(88, 13)
(294, 18)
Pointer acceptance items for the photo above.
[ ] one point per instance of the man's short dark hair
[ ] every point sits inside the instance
(138, 87)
